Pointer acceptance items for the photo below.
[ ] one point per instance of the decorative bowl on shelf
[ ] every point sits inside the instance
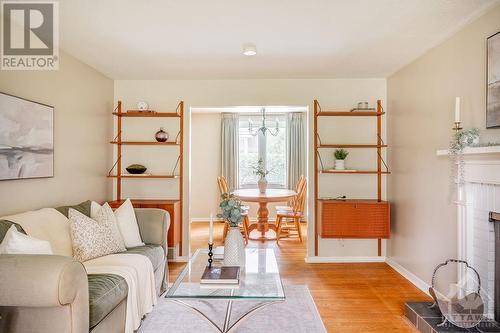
(136, 169)
(142, 106)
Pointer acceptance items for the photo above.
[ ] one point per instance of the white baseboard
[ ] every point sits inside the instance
(331, 260)
(203, 219)
(179, 259)
(418, 282)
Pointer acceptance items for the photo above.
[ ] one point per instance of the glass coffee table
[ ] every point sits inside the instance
(260, 285)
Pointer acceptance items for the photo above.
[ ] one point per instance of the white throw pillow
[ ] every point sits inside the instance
(127, 223)
(106, 215)
(94, 238)
(16, 242)
(94, 208)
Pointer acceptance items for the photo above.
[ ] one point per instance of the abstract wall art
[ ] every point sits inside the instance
(493, 77)
(26, 139)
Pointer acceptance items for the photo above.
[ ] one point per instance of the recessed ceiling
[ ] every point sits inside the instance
(167, 39)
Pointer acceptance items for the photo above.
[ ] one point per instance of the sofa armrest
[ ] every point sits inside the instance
(41, 281)
(153, 225)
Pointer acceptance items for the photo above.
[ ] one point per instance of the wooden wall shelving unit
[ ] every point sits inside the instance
(175, 230)
(346, 218)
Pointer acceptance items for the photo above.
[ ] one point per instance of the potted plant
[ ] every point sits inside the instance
(234, 246)
(340, 156)
(261, 171)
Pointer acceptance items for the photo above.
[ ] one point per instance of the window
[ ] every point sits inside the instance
(271, 149)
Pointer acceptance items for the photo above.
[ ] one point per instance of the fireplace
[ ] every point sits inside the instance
(495, 219)
(478, 227)
(485, 245)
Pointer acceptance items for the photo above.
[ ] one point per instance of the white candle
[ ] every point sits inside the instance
(211, 230)
(457, 109)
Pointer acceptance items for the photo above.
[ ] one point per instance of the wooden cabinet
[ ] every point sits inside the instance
(354, 218)
(172, 206)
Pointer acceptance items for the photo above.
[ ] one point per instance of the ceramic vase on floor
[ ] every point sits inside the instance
(234, 248)
(262, 183)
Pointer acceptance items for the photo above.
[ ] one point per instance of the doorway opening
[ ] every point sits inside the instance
(232, 142)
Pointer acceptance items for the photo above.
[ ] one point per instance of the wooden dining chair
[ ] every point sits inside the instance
(290, 220)
(223, 188)
(289, 206)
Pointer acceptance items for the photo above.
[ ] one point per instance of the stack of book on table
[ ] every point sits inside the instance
(220, 277)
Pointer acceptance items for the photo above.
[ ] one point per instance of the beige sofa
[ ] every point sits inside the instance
(53, 293)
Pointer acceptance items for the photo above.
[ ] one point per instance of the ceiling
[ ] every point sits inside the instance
(187, 39)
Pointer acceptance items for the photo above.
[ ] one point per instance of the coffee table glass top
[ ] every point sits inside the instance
(259, 279)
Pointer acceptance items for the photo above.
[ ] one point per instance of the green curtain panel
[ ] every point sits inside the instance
(296, 148)
(230, 140)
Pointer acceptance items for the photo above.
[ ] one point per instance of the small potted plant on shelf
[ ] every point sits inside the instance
(234, 247)
(340, 156)
(260, 170)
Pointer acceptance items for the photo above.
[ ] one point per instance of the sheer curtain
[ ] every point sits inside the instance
(296, 148)
(230, 140)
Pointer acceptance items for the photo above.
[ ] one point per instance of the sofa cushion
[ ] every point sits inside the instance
(5, 226)
(155, 253)
(94, 238)
(82, 207)
(106, 291)
(46, 224)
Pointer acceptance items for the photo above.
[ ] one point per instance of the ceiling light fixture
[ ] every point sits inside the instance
(249, 50)
(263, 128)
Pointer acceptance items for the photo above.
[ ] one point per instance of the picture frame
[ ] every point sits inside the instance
(493, 81)
(26, 138)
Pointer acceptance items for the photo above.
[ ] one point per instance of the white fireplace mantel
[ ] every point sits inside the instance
(492, 151)
(481, 164)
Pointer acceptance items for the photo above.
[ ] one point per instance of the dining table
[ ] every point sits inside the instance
(270, 195)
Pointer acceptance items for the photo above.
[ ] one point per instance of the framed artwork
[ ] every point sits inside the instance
(493, 82)
(26, 139)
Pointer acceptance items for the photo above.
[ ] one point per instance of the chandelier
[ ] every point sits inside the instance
(263, 127)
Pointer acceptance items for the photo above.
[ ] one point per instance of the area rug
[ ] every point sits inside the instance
(298, 313)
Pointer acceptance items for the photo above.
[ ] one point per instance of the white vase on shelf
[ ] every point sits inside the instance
(339, 164)
(234, 248)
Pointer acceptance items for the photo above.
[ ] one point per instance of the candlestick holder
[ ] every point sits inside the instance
(457, 126)
(210, 254)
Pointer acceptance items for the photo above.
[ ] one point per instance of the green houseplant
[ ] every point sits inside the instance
(260, 170)
(340, 156)
(232, 214)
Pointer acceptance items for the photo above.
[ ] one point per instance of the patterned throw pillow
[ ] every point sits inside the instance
(94, 238)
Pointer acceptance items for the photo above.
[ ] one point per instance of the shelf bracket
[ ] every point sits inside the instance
(319, 139)
(112, 168)
(320, 160)
(176, 164)
(177, 136)
(177, 108)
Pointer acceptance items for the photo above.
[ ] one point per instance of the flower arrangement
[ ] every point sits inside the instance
(459, 141)
(340, 154)
(231, 210)
(260, 170)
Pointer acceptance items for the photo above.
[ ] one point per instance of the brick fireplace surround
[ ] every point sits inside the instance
(478, 239)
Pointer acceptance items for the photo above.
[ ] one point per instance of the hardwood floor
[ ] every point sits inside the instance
(359, 298)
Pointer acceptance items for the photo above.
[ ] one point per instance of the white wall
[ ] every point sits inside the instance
(341, 94)
(205, 164)
(421, 100)
(83, 102)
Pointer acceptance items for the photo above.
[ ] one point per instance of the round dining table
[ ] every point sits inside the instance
(271, 195)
